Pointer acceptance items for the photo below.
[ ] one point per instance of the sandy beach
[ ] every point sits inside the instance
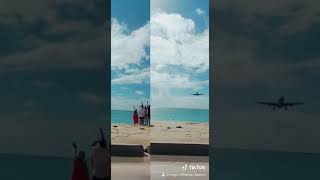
(159, 168)
(134, 168)
(129, 134)
(161, 131)
(179, 167)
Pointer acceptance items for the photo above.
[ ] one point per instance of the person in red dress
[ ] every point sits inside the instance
(80, 169)
(135, 117)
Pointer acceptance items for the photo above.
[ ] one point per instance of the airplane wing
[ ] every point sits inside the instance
(268, 103)
(293, 103)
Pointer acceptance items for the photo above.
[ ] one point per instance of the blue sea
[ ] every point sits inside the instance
(164, 114)
(226, 164)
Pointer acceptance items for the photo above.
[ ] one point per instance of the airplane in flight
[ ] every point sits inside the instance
(281, 103)
(197, 94)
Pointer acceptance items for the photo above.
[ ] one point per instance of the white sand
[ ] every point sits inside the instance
(129, 134)
(144, 169)
(179, 171)
(130, 168)
(167, 132)
(162, 131)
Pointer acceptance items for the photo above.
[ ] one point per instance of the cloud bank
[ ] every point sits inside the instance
(179, 54)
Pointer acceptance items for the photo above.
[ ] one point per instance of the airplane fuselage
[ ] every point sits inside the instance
(197, 94)
(281, 103)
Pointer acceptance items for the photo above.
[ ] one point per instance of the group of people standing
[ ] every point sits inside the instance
(100, 161)
(141, 116)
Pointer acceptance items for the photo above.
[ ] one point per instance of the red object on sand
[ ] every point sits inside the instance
(80, 171)
(135, 118)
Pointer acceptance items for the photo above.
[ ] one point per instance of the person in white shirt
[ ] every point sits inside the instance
(101, 161)
(142, 114)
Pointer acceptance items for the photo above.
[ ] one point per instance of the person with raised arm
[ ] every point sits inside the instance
(101, 159)
(149, 115)
(142, 114)
(80, 169)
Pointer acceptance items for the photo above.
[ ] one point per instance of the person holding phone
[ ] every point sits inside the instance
(80, 169)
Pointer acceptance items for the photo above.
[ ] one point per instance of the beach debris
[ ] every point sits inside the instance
(193, 123)
(151, 125)
(142, 128)
(168, 127)
(115, 126)
(178, 127)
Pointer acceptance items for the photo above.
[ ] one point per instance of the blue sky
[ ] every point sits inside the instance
(131, 58)
(130, 53)
(134, 14)
(179, 53)
(187, 8)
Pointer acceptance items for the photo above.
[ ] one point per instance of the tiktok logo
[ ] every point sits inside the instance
(184, 168)
(193, 167)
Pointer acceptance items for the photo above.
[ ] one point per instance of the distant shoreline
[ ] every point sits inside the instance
(164, 121)
(157, 108)
(166, 114)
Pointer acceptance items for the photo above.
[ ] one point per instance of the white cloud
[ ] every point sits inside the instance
(182, 101)
(139, 92)
(125, 103)
(200, 11)
(169, 80)
(175, 43)
(137, 77)
(163, 85)
(128, 48)
(129, 62)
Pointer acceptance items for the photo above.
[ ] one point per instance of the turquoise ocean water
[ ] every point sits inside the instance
(164, 114)
(226, 164)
